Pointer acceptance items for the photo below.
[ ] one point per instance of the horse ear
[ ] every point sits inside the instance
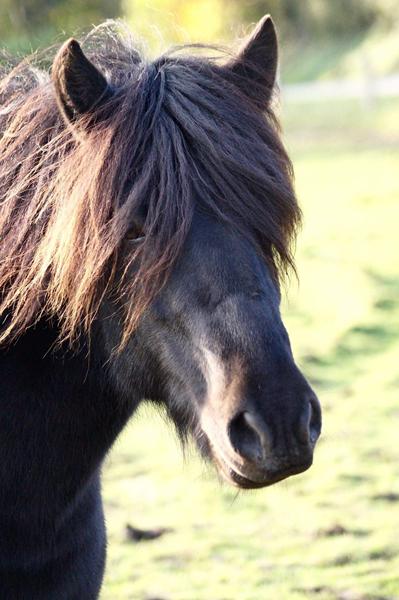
(255, 67)
(79, 85)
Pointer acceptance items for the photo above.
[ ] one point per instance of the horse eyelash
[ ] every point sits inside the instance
(135, 240)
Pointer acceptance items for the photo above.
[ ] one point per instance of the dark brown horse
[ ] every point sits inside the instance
(146, 218)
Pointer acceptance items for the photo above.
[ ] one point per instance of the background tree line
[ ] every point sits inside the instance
(37, 20)
(321, 38)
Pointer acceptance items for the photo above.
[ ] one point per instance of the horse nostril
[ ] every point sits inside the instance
(250, 436)
(315, 420)
(310, 423)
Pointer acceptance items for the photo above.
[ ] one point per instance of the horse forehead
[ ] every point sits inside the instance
(217, 240)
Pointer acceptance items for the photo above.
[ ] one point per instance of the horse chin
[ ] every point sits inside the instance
(228, 471)
(234, 478)
(239, 479)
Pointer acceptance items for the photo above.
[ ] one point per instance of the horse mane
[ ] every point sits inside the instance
(178, 132)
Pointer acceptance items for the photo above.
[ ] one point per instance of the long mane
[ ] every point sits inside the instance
(177, 133)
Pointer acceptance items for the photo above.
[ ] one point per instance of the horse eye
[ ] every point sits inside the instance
(135, 233)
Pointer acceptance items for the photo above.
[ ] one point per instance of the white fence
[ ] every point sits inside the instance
(366, 89)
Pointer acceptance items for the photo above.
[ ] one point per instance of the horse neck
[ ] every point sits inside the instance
(58, 418)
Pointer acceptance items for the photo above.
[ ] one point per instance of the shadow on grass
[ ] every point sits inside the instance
(327, 592)
(361, 341)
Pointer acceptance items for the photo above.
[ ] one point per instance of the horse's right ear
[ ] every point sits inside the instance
(255, 67)
(79, 85)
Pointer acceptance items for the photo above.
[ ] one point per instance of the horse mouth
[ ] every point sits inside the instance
(246, 475)
(243, 482)
(239, 479)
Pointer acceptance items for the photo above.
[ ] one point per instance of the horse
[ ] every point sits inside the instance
(147, 223)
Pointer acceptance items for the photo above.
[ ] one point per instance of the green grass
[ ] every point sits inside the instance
(332, 532)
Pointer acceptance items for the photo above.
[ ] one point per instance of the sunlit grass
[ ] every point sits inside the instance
(331, 533)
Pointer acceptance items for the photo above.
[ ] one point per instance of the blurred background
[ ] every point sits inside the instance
(333, 532)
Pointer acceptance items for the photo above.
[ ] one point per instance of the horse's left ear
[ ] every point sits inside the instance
(79, 85)
(255, 67)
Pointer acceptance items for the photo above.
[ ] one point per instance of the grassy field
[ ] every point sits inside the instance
(333, 532)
